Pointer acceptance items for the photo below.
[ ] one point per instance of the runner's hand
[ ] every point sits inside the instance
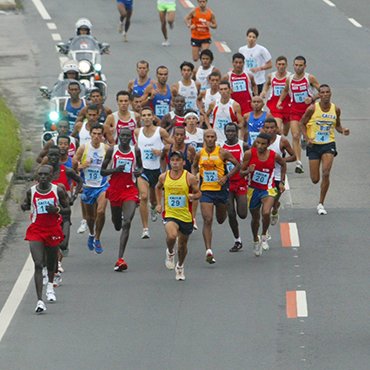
(158, 208)
(281, 188)
(52, 209)
(223, 180)
(345, 131)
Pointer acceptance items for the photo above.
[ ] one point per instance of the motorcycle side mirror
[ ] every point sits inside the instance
(105, 48)
(45, 92)
(63, 48)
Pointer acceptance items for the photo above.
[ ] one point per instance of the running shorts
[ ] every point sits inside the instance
(50, 236)
(127, 3)
(91, 195)
(215, 197)
(255, 196)
(238, 187)
(185, 228)
(119, 196)
(151, 176)
(166, 7)
(315, 151)
(198, 42)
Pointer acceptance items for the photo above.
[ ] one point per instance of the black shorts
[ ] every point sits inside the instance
(315, 151)
(185, 228)
(151, 176)
(198, 42)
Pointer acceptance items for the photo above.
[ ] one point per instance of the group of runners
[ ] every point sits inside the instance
(208, 138)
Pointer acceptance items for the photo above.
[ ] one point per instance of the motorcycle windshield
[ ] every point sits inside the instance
(84, 47)
(60, 89)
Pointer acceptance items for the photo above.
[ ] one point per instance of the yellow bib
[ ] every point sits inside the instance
(211, 169)
(320, 127)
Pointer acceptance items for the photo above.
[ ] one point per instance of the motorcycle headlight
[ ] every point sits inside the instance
(84, 66)
(97, 67)
(53, 116)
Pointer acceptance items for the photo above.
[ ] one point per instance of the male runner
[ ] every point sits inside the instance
(180, 189)
(125, 8)
(202, 72)
(47, 202)
(122, 192)
(318, 124)
(82, 129)
(142, 81)
(259, 163)
(73, 104)
(210, 163)
(176, 117)
(167, 13)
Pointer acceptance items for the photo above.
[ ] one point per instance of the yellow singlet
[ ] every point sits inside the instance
(320, 127)
(211, 169)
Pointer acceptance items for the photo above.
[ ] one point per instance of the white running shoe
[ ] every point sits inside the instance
(166, 43)
(50, 294)
(57, 279)
(210, 257)
(195, 226)
(179, 273)
(170, 260)
(257, 247)
(125, 37)
(299, 167)
(145, 234)
(120, 27)
(60, 268)
(45, 278)
(265, 246)
(83, 227)
(274, 218)
(321, 210)
(153, 214)
(40, 307)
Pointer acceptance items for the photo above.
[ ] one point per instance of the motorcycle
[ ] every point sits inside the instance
(57, 97)
(87, 51)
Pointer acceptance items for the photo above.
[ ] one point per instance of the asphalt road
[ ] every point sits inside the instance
(232, 314)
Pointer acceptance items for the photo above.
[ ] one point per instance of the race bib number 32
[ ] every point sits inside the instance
(210, 176)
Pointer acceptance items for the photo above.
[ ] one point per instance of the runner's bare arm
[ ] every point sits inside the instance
(193, 184)
(254, 85)
(285, 146)
(76, 129)
(195, 165)
(159, 192)
(188, 19)
(304, 120)
(338, 126)
(227, 156)
(283, 95)
(105, 171)
(108, 126)
(81, 115)
(282, 163)
(26, 205)
(245, 168)
(213, 23)
(44, 151)
(165, 136)
(266, 86)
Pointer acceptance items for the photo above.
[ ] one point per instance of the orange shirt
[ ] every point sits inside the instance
(200, 20)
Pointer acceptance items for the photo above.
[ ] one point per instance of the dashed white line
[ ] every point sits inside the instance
(56, 37)
(41, 9)
(301, 303)
(51, 26)
(355, 23)
(187, 4)
(328, 2)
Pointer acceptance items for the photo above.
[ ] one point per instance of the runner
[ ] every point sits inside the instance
(142, 81)
(238, 184)
(301, 88)
(122, 192)
(125, 8)
(242, 84)
(272, 89)
(200, 20)
(202, 72)
(318, 124)
(180, 190)
(280, 145)
(175, 117)
(73, 104)
(257, 58)
(259, 163)
(224, 111)
(47, 202)
(121, 118)
(89, 159)
(210, 163)
(82, 129)
(150, 141)
(167, 14)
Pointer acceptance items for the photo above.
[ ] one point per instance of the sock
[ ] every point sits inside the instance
(238, 240)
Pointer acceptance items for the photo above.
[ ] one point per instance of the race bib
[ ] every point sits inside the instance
(127, 163)
(299, 97)
(176, 201)
(322, 136)
(93, 174)
(221, 123)
(149, 155)
(190, 104)
(253, 136)
(210, 176)
(260, 177)
(239, 86)
(251, 63)
(278, 90)
(229, 166)
(41, 205)
(161, 110)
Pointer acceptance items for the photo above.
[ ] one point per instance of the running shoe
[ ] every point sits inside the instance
(60, 268)
(166, 43)
(83, 227)
(57, 280)
(303, 143)
(125, 37)
(50, 294)
(209, 257)
(40, 307)
(170, 260)
(299, 168)
(268, 235)
(195, 226)
(153, 215)
(274, 217)
(120, 27)
(321, 210)
(257, 247)
(145, 234)
(45, 278)
(120, 265)
(90, 242)
(264, 244)
(98, 247)
(236, 247)
(179, 272)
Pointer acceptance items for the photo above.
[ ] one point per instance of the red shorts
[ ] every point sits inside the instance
(284, 115)
(297, 114)
(51, 236)
(118, 196)
(238, 187)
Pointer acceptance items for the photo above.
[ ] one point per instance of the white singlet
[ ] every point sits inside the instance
(202, 77)
(275, 146)
(190, 93)
(146, 144)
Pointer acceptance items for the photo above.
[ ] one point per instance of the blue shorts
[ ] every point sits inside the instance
(255, 196)
(215, 197)
(127, 3)
(90, 195)
(315, 151)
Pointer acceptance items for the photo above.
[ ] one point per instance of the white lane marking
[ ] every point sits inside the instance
(294, 237)
(328, 2)
(56, 37)
(51, 26)
(189, 4)
(62, 60)
(355, 23)
(301, 303)
(226, 48)
(287, 187)
(41, 9)
(16, 295)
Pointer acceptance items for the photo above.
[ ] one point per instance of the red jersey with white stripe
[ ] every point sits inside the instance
(39, 202)
(125, 179)
(277, 86)
(241, 88)
(62, 179)
(119, 124)
(72, 146)
(299, 90)
(222, 115)
(263, 175)
(180, 121)
(237, 151)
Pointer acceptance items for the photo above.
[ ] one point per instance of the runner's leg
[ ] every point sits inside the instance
(37, 253)
(326, 164)
(296, 137)
(255, 223)
(267, 204)
(100, 214)
(172, 230)
(128, 212)
(143, 186)
(182, 248)
(207, 214)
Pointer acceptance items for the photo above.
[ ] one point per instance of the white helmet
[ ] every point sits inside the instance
(83, 23)
(70, 65)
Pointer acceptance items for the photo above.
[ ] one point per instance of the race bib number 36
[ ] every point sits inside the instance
(260, 177)
(161, 109)
(176, 201)
(210, 176)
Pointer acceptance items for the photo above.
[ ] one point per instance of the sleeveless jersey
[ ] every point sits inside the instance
(211, 169)
(223, 114)
(237, 151)
(62, 179)
(241, 90)
(39, 202)
(176, 198)
(208, 100)
(299, 90)
(190, 93)
(161, 104)
(254, 126)
(91, 175)
(180, 121)
(72, 146)
(200, 21)
(276, 88)
(126, 178)
(320, 127)
(139, 89)
(72, 112)
(275, 146)
(196, 139)
(68, 162)
(119, 124)
(202, 77)
(103, 116)
(84, 135)
(263, 175)
(187, 165)
(146, 144)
